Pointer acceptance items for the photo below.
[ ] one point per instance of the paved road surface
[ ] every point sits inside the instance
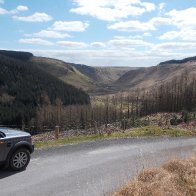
(91, 169)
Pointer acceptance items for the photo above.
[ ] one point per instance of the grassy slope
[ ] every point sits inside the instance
(105, 75)
(64, 71)
(147, 77)
(175, 178)
(136, 132)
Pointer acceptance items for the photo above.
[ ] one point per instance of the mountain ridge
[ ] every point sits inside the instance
(109, 80)
(173, 61)
(151, 76)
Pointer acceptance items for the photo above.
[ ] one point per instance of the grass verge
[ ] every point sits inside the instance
(67, 140)
(175, 178)
(136, 132)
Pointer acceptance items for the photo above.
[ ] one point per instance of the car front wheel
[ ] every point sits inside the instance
(19, 159)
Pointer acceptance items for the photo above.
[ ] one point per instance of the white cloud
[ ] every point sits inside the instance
(184, 21)
(156, 21)
(147, 34)
(22, 8)
(3, 11)
(136, 25)
(77, 55)
(70, 44)
(183, 18)
(130, 37)
(131, 26)
(49, 34)
(18, 9)
(148, 6)
(185, 35)
(74, 26)
(170, 35)
(173, 46)
(108, 57)
(36, 41)
(36, 17)
(128, 43)
(111, 10)
(162, 6)
(98, 45)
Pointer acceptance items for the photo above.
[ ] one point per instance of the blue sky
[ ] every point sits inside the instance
(101, 32)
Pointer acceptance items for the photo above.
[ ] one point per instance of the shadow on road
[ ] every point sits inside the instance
(4, 173)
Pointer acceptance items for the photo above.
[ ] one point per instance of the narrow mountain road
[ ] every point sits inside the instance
(93, 168)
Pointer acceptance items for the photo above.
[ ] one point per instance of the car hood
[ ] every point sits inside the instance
(14, 133)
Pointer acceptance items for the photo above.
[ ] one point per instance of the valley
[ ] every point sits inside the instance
(111, 80)
(94, 80)
(44, 92)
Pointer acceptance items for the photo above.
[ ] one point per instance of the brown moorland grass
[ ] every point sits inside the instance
(175, 178)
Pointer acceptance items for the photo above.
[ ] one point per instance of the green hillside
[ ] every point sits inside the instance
(65, 72)
(24, 87)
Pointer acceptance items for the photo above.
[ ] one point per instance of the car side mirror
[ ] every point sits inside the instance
(2, 135)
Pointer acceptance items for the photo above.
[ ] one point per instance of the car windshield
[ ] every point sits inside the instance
(2, 135)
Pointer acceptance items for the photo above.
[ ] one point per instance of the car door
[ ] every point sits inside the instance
(2, 149)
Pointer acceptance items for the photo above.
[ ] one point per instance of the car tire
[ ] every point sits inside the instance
(2, 166)
(19, 159)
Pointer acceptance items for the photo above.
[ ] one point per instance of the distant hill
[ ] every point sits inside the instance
(179, 61)
(24, 56)
(109, 80)
(105, 75)
(106, 80)
(65, 72)
(148, 77)
(90, 79)
(25, 87)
